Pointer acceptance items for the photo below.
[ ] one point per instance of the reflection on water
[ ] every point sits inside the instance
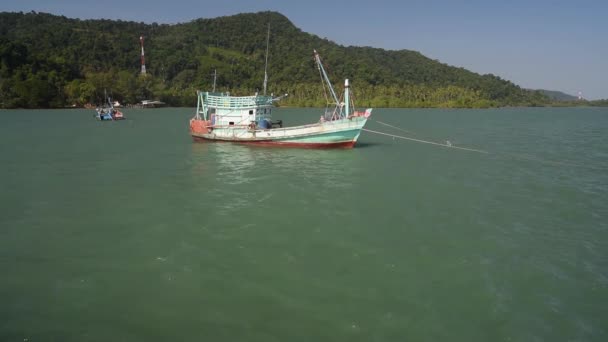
(240, 177)
(242, 164)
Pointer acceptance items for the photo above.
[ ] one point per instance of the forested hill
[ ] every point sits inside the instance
(54, 61)
(558, 95)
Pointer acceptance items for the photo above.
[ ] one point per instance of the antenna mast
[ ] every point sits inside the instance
(143, 61)
(266, 65)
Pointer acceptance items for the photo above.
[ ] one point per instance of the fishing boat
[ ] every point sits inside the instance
(248, 119)
(108, 112)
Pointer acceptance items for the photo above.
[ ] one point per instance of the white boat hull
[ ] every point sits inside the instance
(336, 133)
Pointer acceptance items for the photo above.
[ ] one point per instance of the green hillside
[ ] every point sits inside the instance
(54, 61)
(561, 99)
(558, 95)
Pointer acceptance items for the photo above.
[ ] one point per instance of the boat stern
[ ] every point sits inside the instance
(199, 127)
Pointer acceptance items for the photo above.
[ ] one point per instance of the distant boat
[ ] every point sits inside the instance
(107, 112)
(248, 119)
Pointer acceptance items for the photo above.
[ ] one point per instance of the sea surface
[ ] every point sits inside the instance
(129, 231)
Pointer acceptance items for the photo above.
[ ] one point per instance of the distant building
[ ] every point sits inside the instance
(151, 104)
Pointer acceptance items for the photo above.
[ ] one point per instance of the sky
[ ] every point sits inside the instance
(542, 44)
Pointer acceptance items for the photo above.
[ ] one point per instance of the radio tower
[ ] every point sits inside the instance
(143, 61)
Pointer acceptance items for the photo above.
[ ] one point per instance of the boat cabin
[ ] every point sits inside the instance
(223, 110)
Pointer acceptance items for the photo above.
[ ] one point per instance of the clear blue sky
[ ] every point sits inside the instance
(556, 45)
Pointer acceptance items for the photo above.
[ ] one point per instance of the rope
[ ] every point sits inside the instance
(511, 155)
(426, 142)
(338, 110)
(385, 124)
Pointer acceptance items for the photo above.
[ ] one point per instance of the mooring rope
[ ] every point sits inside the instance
(426, 142)
(385, 124)
(511, 155)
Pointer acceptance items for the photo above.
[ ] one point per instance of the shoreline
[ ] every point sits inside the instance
(280, 107)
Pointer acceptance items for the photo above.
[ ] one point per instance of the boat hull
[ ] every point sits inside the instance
(331, 134)
(298, 144)
(106, 115)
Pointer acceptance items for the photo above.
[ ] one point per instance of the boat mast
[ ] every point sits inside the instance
(198, 105)
(107, 98)
(346, 98)
(320, 66)
(266, 64)
(214, 78)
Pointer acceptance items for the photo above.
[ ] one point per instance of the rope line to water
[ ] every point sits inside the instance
(512, 155)
(425, 141)
(385, 124)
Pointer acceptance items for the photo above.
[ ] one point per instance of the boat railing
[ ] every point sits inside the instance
(240, 126)
(218, 100)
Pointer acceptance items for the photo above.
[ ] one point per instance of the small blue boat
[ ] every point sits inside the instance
(108, 112)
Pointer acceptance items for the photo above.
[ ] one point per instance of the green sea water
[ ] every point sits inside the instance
(129, 231)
